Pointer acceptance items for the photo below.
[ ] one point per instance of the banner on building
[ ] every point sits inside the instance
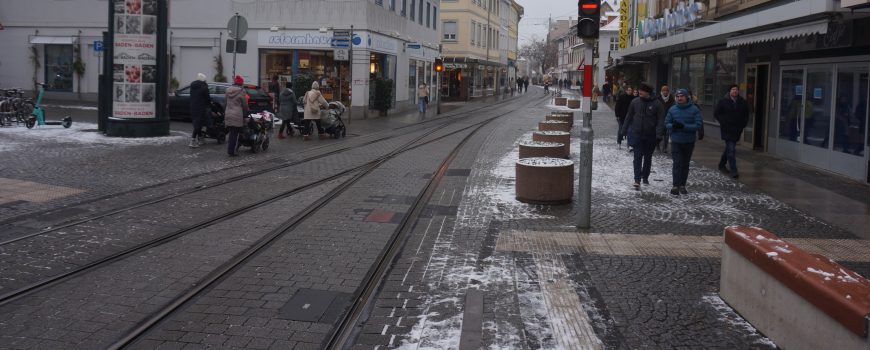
(134, 68)
(623, 24)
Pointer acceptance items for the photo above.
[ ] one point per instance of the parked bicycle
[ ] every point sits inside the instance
(14, 107)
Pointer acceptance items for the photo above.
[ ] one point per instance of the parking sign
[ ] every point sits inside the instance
(98, 45)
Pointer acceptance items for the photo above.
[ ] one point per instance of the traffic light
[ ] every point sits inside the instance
(589, 19)
(439, 65)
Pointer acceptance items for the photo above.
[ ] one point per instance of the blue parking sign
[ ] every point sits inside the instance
(98, 45)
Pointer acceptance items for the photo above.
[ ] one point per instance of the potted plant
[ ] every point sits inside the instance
(34, 61)
(78, 68)
(383, 95)
(301, 84)
(219, 69)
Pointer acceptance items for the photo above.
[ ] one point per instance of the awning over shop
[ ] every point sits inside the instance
(61, 40)
(817, 27)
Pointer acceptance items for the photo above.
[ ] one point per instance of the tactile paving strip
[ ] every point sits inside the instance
(662, 245)
(17, 190)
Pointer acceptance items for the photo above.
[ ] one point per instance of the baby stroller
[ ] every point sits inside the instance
(255, 132)
(216, 130)
(331, 121)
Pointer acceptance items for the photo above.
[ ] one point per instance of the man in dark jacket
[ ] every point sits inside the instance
(667, 101)
(199, 106)
(646, 120)
(621, 109)
(732, 113)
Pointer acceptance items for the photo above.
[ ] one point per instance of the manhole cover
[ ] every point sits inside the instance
(312, 305)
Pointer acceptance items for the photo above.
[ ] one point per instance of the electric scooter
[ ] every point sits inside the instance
(37, 117)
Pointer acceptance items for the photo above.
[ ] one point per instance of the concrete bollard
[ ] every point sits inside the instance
(554, 125)
(555, 136)
(532, 149)
(544, 180)
(574, 104)
(561, 101)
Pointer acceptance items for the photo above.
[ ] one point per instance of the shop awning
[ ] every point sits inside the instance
(42, 39)
(817, 27)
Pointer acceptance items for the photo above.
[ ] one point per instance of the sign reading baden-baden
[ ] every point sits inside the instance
(134, 69)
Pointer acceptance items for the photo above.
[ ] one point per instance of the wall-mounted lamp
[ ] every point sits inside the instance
(372, 68)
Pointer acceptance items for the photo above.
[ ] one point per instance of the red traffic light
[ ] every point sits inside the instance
(589, 6)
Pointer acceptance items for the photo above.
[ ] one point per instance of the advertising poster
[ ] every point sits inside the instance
(134, 71)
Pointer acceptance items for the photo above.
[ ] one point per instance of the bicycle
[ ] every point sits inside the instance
(14, 108)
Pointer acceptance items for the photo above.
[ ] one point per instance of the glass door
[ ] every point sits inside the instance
(791, 104)
(849, 131)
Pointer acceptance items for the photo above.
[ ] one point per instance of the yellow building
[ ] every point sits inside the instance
(479, 46)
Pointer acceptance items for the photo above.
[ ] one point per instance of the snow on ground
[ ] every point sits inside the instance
(727, 315)
(78, 133)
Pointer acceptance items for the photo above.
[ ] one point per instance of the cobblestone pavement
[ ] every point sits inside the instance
(480, 269)
(645, 275)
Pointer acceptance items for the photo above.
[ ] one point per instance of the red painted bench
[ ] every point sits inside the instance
(834, 290)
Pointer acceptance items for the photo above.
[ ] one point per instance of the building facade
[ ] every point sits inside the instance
(477, 46)
(802, 65)
(393, 39)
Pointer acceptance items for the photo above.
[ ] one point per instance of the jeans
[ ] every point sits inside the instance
(643, 150)
(730, 156)
(421, 104)
(681, 153)
(233, 139)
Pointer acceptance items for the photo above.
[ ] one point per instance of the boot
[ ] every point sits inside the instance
(200, 140)
(193, 143)
(281, 135)
(306, 138)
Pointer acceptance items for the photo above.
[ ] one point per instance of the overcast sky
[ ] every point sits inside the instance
(534, 21)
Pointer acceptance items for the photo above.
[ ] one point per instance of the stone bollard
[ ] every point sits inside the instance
(561, 117)
(531, 149)
(561, 101)
(574, 104)
(555, 136)
(554, 125)
(544, 180)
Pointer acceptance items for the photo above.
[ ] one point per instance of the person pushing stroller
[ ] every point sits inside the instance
(314, 102)
(287, 110)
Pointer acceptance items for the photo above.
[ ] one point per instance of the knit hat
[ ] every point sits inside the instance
(201, 77)
(683, 92)
(315, 86)
(238, 80)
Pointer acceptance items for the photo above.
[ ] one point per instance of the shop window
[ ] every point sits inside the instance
(676, 64)
(850, 114)
(817, 117)
(412, 81)
(696, 77)
(58, 67)
(449, 30)
(791, 104)
(726, 72)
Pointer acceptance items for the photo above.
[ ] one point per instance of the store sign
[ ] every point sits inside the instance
(378, 42)
(134, 63)
(309, 39)
(623, 24)
(340, 54)
(672, 19)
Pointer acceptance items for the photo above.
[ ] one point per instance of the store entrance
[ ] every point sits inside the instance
(757, 78)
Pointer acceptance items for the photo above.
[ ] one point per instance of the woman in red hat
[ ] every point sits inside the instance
(234, 115)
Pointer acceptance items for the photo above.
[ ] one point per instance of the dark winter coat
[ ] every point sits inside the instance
(621, 107)
(732, 117)
(645, 119)
(199, 98)
(690, 116)
(286, 104)
(670, 102)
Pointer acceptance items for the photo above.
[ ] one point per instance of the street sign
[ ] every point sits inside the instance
(340, 43)
(237, 46)
(340, 54)
(98, 45)
(237, 27)
(341, 34)
(415, 46)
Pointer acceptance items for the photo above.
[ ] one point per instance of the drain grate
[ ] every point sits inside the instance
(313, 305)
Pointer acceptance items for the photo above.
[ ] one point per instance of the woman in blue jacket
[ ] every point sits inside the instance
(683, 121)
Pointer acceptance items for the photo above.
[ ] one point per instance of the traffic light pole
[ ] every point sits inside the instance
(587, 138)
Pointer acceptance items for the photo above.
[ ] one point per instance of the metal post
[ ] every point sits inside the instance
(584, 186)
(350, 73)
(438, 74)
(235, 46)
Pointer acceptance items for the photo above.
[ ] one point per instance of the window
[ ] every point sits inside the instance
(449, 30)
(393, 5)
(404, 7)
(614, 43)
(413, 5)
(434, 17)
(817, 114)
(379, 2)
(58, 67)
(851, 110)
(473, 33)
(428, 14)
(791, 103)
(420, 14)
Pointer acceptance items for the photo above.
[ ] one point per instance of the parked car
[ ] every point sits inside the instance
(179, 102)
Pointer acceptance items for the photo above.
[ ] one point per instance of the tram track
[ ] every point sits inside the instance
(35, 286)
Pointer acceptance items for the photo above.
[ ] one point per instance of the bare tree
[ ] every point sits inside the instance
(542, 53)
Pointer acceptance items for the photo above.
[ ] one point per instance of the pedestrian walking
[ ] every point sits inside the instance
(274, 89)
(314, 101)
(606, 90)
(683, 120)
(234, 114)
(667, 101)
(646, 121)
(199, 108)
(621, 110)
(732, 113)
(286, 109)
(526, 84)
(422, 97)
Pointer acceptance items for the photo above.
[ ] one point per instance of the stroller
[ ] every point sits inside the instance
(217, 130)
(256, 130)
(331, 121)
